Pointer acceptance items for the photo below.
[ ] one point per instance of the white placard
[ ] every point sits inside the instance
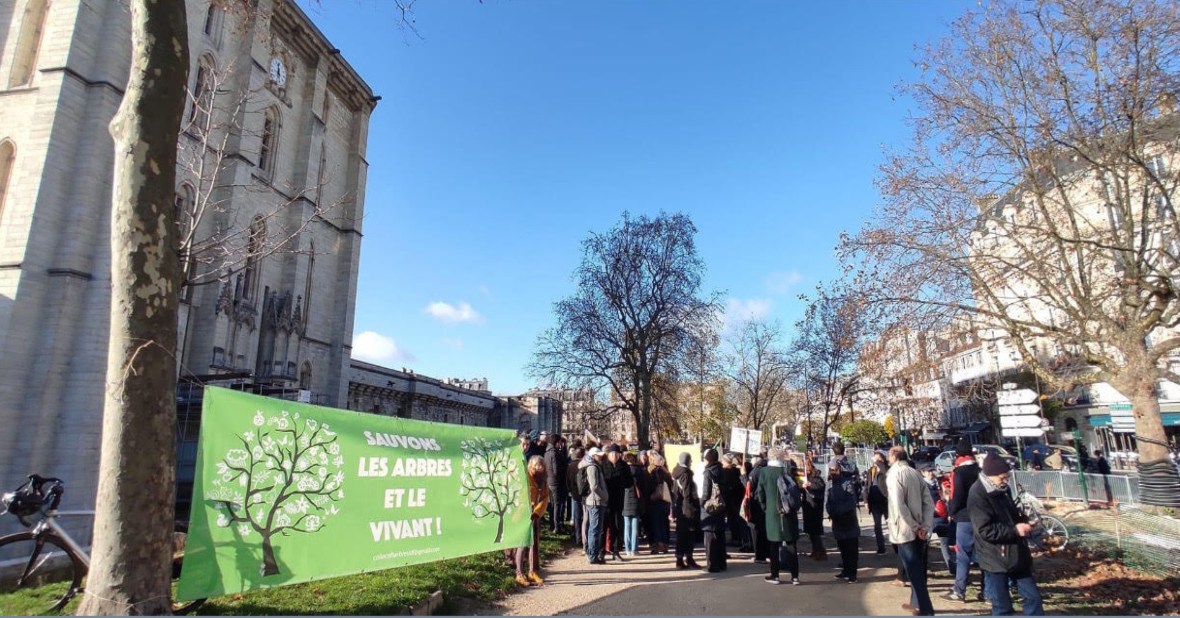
(1024, 432)
(738, 439)
(1024, 420)
(754, 443)
(1024, 408)
(1018, 396)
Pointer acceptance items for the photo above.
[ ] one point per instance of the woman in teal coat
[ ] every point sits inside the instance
(782, 529)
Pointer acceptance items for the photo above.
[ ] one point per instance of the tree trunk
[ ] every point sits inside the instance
(270, 566)
(132, 551)
(499, 530)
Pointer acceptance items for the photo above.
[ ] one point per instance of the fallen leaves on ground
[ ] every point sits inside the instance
(1083, 581)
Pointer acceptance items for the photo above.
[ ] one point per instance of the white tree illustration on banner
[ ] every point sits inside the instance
(490, 481)
(285, 478)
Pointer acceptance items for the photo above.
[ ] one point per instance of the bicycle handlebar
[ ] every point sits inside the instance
(57, 487)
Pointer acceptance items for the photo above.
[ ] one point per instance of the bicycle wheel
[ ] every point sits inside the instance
(179, 538)
(1055, 536)
(44, 566)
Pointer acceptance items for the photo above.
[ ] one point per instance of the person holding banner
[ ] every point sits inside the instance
(539, 501)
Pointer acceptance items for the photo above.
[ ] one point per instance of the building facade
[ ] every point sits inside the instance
(276, 128)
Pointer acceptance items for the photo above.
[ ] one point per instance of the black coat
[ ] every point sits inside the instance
(813, 506)
(686, 502)
(962, 481)
(998, 547)
(635, 497)
(618, 481)
(713, 476)
(571, 479)
(757, 515)
(555, 467)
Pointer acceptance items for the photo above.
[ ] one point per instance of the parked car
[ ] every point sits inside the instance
(944, 463)
(981, 451)
(926, 454)
(1069, 456)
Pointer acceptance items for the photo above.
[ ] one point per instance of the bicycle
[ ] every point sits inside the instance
(53, 556)
(1048, 533)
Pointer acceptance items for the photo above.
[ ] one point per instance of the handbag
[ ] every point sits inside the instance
(715, 505)
(661, 493)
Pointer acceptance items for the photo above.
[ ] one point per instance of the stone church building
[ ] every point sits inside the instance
(270, 197)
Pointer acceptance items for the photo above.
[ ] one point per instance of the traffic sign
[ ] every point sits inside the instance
(1023, 432)
(1024, 420)
(1018, 396)
(1024, 408)
(1122, 418)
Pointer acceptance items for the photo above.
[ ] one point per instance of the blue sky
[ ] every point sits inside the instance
(515, 127)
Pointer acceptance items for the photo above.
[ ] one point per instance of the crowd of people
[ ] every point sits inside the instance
(607, 496)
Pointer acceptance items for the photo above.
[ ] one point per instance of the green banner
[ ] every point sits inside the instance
(287, 492)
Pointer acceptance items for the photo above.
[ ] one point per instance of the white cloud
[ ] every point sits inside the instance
(780, 282)
(446, 312)
(738, 311)
(377, 348)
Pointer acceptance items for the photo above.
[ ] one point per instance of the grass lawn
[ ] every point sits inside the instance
(482, 577)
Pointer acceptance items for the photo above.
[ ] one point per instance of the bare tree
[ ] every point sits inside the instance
(825, 351)
(636, 312)
(491, 481)
(1038, 194)
(759, 371)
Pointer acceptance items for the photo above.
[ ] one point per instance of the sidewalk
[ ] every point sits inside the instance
(651, 585)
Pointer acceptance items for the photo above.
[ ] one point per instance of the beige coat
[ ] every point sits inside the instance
(910, 504)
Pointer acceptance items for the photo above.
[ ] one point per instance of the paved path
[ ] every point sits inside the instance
(651, 585)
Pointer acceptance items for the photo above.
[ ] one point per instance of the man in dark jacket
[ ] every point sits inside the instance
(571, 484)
(618, 480)
(877, 498)
(714, 523)
(556, 463)
(965, 474)
(1001, 540)
(686, 508)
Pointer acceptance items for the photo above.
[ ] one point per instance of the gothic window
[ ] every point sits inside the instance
(321, 176)
(269, 142)
(202, 97)
(213, 21)
(307, 288)
(7, 161)
(184, 209)
(305, 376)
(31, 27)
(254, 247)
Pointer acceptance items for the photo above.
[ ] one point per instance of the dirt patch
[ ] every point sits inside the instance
(1091, 582)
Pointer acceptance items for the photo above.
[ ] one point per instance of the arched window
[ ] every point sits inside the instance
(185, 198)
(213, 20)
(270, 141)
(29, 42)
(305, 376)
(203, 87)
(7, 160)
(307, 288)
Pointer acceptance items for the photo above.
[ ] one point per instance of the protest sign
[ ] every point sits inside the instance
(289, 492)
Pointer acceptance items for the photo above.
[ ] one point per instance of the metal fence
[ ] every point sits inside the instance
(1059, 485)
(1144, 541)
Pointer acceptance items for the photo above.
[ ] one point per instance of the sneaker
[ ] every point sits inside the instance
(535, 578)
(794, 581)
(522, 581)
(841, 576)
(772, 580)
(880, 552)
(851, 580)
(951, 595)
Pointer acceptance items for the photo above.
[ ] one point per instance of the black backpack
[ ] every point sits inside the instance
(790, 496)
